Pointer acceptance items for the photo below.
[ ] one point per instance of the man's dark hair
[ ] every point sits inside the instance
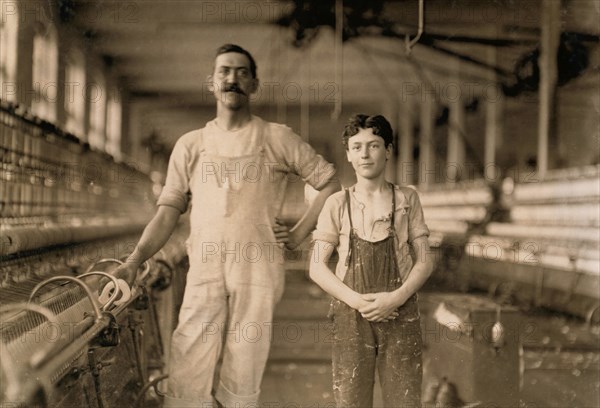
(379, 124)
(224, 49)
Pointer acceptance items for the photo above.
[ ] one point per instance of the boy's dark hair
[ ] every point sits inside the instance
(379, 124)
(225, 48)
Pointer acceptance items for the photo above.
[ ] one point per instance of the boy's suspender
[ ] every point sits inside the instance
(392, 221)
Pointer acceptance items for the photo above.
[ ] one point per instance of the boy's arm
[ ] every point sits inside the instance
(155, 236)
(383, 303)
(320, 273)
(420, 272)
(308, 221)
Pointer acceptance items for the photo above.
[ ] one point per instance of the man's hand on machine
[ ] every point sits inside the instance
(128, 272)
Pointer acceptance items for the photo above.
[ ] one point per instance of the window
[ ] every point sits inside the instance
(75, 93)
(113, 128)
(45, 72)
(97, 96)
(9, 28)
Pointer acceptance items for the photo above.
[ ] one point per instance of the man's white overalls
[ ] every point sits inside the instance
(236, 266)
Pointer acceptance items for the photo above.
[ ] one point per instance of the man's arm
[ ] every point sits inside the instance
(308, 221)
(155, 236)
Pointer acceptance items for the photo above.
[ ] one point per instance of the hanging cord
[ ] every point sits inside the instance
(411, 43)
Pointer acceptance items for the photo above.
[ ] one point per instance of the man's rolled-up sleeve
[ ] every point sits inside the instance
(303, 160)
(176, 191)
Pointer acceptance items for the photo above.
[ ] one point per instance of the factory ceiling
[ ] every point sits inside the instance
(162, 51)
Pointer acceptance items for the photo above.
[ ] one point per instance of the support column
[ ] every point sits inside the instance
(389, 110)
(427, 170)
(494, 129)
(455, 162)
(281, 77)
(547, 138)
(135, 133)
(405, 169)
(494, 121)
(305, 96)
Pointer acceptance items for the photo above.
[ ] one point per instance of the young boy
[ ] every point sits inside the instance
(373, 225)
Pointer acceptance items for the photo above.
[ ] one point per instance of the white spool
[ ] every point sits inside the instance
(107, 292)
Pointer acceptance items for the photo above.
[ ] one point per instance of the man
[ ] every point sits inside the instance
(233, 173)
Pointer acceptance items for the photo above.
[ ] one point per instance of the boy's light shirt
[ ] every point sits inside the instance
(334, 226)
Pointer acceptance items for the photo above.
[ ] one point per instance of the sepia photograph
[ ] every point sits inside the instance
(300, 204)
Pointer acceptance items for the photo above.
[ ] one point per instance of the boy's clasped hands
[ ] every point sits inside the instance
(378, 307)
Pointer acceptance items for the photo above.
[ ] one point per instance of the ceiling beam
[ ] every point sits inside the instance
(149, 15)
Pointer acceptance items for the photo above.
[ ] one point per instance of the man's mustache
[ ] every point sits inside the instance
(233, 88)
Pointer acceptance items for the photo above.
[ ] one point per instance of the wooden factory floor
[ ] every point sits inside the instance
(559, 361)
